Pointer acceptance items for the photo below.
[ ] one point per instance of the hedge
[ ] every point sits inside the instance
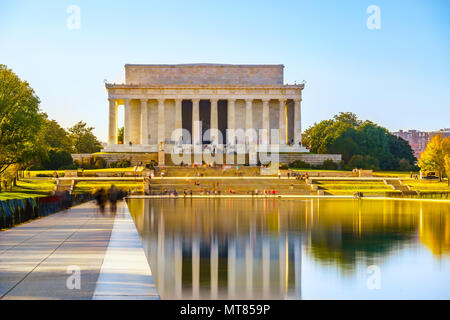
(16, 211)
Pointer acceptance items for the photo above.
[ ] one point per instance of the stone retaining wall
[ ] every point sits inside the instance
(136, 158)
(313, 159)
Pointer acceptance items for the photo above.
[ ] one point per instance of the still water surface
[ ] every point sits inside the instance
(296, 249)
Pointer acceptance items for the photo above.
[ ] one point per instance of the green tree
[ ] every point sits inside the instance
(315, 138)
(345, 134)
(348, 118)
(55, 136)
(57, 159)
(433, 158)
(83, 139)
(120, 134)
(19, 120)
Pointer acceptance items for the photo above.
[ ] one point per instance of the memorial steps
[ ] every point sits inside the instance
(242, 181)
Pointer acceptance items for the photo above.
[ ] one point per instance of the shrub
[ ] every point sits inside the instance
(69, 167)
(57, 159)
(329, 165)
(44, 175)
(299, 164)
(404, 165)
(364, 162)
(35, 168)
(124, 163)
(100, 163)
(284, 166)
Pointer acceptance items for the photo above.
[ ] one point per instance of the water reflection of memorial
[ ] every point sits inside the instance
(253, 248)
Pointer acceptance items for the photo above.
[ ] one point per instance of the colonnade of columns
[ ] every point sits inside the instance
(196, 134)
(273, 270)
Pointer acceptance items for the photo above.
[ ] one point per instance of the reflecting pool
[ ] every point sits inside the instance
(296, 249)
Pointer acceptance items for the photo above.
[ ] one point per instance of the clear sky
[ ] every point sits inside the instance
(397, 76)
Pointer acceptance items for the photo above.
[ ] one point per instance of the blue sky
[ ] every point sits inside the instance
(397, 76)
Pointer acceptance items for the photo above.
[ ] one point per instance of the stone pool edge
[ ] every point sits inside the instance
(125, 273)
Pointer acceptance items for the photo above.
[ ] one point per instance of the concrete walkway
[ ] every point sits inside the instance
(40, 259)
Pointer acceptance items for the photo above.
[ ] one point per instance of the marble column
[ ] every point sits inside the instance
(112, 125)
(249, 120)
(297, 122)
(196, 130)
(231, 122)
(178, 118)
(144, 122)
(265, 122)
(127, 123)
(161, 122)
(214, 123)
(282, 122)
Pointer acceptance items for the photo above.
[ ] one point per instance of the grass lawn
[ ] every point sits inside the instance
(90, 186)
(318, 170)
(357, 187)
(33, 174)
(350, 187)
(427, 186)
(371, 192)
(393, 174)
(129, 169)
(29, 189)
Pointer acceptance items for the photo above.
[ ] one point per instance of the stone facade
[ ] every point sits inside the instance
(204, 74)
(227, 100)
(418, 140)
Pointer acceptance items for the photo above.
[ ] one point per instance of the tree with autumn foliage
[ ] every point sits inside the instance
(434, 156)
(447, 168)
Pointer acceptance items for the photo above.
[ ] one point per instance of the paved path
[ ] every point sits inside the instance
(35, 258)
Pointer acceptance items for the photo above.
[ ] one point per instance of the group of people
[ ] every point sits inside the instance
(415, 176)
(112, 195)
(217, 192)
(294, 174)
(299, 175)
(265, 192)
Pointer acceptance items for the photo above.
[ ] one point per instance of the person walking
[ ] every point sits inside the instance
(113, 195)
(100, 198)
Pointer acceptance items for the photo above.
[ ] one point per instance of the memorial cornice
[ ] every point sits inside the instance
(130, 91)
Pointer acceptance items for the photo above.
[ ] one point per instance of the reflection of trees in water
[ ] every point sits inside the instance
(434, 228)
(340, 232)
(372, 229)
(351, 248)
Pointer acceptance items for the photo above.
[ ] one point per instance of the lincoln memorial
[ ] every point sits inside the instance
(175, 108)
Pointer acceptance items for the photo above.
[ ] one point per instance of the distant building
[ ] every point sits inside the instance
(418, 139)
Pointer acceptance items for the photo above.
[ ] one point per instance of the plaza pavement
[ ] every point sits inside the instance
(38, 257)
